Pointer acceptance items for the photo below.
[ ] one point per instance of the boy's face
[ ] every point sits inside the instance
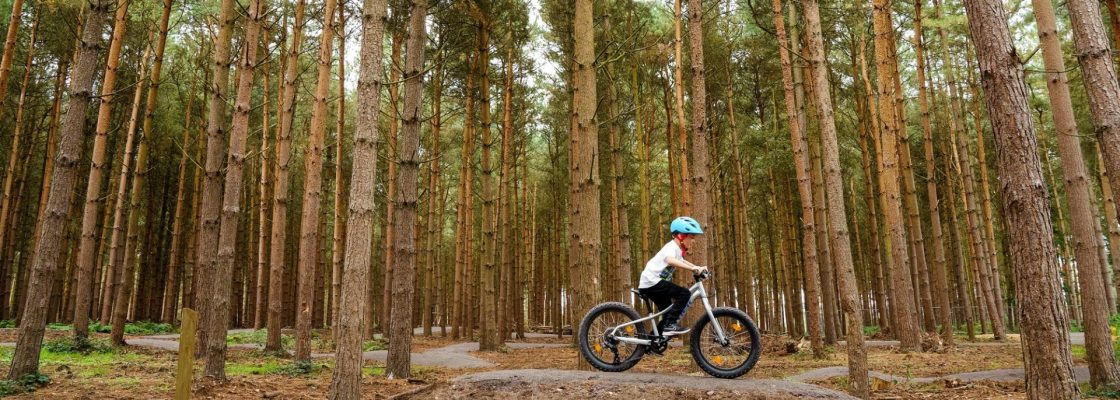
(687, 239)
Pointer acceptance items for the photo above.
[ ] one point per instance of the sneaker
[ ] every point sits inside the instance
(672, 329)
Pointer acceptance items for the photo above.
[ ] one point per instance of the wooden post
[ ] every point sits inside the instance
(186, 355)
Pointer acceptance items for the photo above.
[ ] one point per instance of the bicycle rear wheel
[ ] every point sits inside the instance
(598, 341)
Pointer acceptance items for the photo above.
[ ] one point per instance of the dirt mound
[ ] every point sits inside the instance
(567, 385)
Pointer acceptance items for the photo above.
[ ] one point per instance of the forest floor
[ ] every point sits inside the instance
(539, 366)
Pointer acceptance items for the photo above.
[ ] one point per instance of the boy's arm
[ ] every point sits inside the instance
(682, 263)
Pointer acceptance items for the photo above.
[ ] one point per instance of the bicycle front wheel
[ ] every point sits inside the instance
(736, 353)
(598, 338)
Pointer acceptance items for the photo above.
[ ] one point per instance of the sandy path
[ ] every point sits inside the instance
(765, 388)
(997, 375)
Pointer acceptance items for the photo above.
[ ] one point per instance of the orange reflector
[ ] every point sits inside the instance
(598, 348)
(718, 359)
(630, 329)
(737, 327)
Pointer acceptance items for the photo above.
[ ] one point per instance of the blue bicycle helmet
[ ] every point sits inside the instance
(685, 225)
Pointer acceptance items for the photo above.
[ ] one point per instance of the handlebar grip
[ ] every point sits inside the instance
(702, 276)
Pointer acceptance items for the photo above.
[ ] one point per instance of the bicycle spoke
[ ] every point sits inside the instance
(738, 348)
(596, 337)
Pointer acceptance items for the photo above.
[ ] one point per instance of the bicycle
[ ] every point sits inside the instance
(610, 328)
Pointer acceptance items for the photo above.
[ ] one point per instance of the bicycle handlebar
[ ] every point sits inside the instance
(702, 276)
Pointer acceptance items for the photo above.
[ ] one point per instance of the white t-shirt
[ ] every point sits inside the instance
(657, 268)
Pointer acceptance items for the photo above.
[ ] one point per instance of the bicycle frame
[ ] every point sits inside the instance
(697, 291)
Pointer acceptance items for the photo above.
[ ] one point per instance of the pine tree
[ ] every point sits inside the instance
(1048, 367)
(25, 360)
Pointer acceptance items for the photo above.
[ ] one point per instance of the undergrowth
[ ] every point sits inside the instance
(74, 345)
(25, 384)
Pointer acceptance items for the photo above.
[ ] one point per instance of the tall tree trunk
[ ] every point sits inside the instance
(838, 229)
(435, 203)
(391, 187)
(223, 267)
(88, 244)
(210, 211)
(260, 314)
(141, 175)
(121, 235)
(464, 225)
(313, 169)
(505, 235)
(805, 191)
(938, 276)
(1110, 219)
(701, 169)
(1098, 341)
(9, 207)
(353, 300)
(9, 52)
(182, 213)
(1100, 79)
(488, 335)
(408, 151)
(1048, 366)
(339, 225)
(584, 244)
(25, 360)
(902, 304)
(280, 190)
(685, 189)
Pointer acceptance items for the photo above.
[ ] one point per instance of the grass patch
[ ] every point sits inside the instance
(870, 330)
(258, 337)
(269, 367)
(94, 371)
(375, 344)
(125, 382)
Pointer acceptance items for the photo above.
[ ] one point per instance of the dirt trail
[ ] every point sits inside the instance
(456, 356)
(997, 375)
(566, 384)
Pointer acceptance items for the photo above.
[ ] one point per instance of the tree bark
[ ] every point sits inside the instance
(353, 300)
(435, 203)
(1102, 364)
(313, 169)
(339, 226)
(182, 213)
(125, 274)
(902, 304)
(701, 169)
(260, 314)
(1102, 87)
(280, 190)
(88, 244)
(25, 360)
(210, 211)
(584, 244)
(805, 191)
(408, 153)
(938, 276)
(838, 229)
(1023, 193)
(9, 53)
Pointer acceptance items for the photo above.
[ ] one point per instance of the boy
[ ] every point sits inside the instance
(656, 278)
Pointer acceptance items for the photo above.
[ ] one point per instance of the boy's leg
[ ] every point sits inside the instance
(680, 297)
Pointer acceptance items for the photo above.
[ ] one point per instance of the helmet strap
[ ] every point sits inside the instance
(680, 242)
